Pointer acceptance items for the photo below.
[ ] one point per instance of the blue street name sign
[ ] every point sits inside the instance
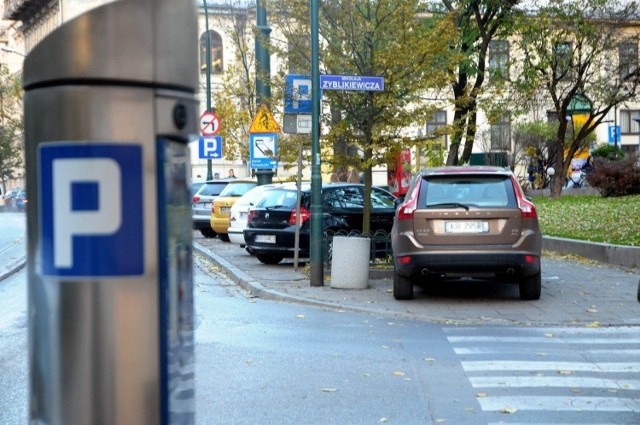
(351, 82)
(614, 134)
(210, 147)
(297, 95)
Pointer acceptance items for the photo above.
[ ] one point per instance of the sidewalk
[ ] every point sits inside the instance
(573, 293)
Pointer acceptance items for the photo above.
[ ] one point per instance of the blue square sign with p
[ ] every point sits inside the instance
(91, 209)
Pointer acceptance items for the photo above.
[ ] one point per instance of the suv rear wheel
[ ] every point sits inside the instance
(531, 287)
(402, 287)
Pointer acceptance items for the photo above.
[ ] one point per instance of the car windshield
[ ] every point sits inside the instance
(237, 189)
(277, 198)
(465, 191)
(212, 189)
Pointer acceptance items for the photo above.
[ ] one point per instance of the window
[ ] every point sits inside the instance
(430, 155)
(501, 134)
(627, 124)
(628, 59)
(498, 59)
(381, 199)
(481, 191)
(343, 197)
(215, 42)
(436, 129)
(562, 60)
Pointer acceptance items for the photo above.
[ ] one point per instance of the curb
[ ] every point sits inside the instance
(626, 256)
(13, 267)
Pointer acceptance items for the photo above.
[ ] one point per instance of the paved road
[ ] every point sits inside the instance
(573, 292)
(12, 242)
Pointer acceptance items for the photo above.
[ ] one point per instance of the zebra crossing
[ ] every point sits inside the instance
(536, 376)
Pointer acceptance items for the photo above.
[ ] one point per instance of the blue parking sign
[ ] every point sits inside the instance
(614, 134)
(210, 147)
(91, 209)
(297, 96)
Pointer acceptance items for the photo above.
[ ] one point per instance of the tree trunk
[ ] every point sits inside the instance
(471, 116)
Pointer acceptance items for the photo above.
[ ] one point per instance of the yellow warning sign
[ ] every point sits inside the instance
(264, 122)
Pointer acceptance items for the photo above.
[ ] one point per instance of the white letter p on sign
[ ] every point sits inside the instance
(67, 222)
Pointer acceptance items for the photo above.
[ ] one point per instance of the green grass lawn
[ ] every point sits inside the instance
(592, 218)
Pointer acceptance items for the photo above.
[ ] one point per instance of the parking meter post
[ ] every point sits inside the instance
(107, 133)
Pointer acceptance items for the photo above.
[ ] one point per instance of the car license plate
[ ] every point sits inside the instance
(266, 238)
(225, 210)
(466, 226)
(206, 205)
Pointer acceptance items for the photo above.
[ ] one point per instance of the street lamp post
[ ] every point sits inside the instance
(316, 276)
(208, 76)
(263, 74)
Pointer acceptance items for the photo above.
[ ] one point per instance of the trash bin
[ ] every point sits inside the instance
(350, 262)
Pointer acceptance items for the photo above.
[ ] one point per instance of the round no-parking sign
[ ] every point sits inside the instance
(209, 124)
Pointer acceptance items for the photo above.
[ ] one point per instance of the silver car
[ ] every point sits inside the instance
(202, 204)
(466, 222)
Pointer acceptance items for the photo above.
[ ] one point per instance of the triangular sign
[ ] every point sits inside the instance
(264, 122)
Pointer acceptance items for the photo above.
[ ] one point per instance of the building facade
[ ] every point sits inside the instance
(26, 22)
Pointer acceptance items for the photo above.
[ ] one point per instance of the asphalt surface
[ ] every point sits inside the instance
(575, 292)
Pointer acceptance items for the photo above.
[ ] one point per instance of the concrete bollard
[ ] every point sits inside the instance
(350, 262)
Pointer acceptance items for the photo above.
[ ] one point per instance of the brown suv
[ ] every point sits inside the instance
(466, 222)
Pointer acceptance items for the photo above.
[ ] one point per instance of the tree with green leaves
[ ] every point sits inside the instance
(393, 39)
(478, 22)
(573, 54)
(11, 135)
(234, 100)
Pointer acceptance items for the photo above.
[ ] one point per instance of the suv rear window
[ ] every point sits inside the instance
(476, 190)
(212, 189)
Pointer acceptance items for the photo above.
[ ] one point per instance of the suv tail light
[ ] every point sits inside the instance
(408, 207)
(528, 210)
(304, 216)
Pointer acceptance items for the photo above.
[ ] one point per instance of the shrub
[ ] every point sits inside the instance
(608, 151)
(615, 178)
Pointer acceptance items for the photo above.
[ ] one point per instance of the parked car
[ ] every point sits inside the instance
(466, 222)
(202, 205)
(270, 231)
(196, 184)
(222, 205)
(20, 200)
(15, 200)
(240, 212)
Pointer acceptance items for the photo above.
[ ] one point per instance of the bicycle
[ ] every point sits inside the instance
(580, 183)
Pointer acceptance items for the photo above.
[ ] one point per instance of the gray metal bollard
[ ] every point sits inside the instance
(109, 108)
(350, 262)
